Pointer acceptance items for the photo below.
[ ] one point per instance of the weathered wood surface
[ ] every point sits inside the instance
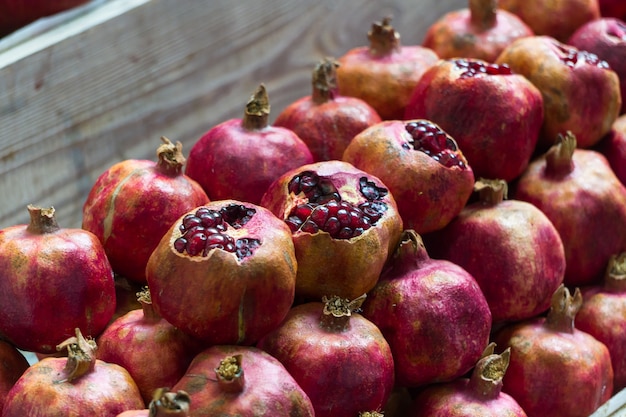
(105, 85)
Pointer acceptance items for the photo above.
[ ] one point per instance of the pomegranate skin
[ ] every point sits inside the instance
(133, 203)
(613, 147)
(52, 280)
(264, 387)
(343, 363)
(613, 8)
(432, 313)
(12, 365)
(580, 92)
(495, 119)
(15, 14)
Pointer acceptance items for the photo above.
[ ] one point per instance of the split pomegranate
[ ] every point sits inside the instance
(479, 31)
(12, 365)
(164, 403)
(239, 158)
(494, 115)
(52, 280)
(344, 224)
(432, 313)
(556, 369)
(338, 357)
(613, 147)
(224, 273)
(509, 246)
(242, 381)
(77, 385)
(425, 170)
(133, 203)
(325, 120)
(580, 92)
(384, 73)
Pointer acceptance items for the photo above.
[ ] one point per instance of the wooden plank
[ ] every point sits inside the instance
(107, 84)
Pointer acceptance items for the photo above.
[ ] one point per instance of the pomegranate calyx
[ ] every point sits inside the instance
(145, 300)
(491, 192)
(615, 276)
(411, 248)
(486, 378)
(256, 115)
(483, 13)
(170, 158)
(559, 158)
(337, 311)
(166, 403)
(371, 414)
(563, 309)
(230, 376)
(325, 81)
(81, 356)
(384, 39)
(42, 220)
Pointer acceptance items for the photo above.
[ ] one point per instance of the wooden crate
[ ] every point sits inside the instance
(103, 82)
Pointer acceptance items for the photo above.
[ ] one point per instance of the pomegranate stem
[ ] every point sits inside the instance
(230, 375)
(563, 310)
(165, 403)
(170, 158)
(81, 356)
(411, 247)
(615, 276)
(486, 378)
(491, 192)
(145, 299)
(257, 111)
(483, 13)
(324, 81)
(42, 220)
(337, 311)
(384, 39)
(559, 158)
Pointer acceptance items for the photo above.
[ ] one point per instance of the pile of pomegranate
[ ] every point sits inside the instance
(449, 240)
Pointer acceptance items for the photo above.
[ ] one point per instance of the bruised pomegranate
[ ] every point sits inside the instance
(224, 273)
(163, 403)
(603, 315)
(77, 385)
(556, 369)
(325, 120)
(480, 395)
(580, 92)
(421, 164)
(613, 147)
(494, 115)
(239, 158)
(52, 280)
(509, 246)
(338, 357)
(133, 203)
(479, 31)
(384, 73)
(242, 381)
(344, 224)
(432, 313)
(577, 190)
(12, 365)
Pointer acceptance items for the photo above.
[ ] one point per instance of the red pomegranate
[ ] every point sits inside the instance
(480, 395)
(242, 381)
(613, 147)
(605, 37)
(78, 385)
(603, 315)
(232, 265)
(154, 352)
(15, 14)
(338, 357)
(325, 120)
(494, 115)
(425, 170)
(509, 246)
(556, 369)
(164, 403)
(556, 18)
(12, 365)
(384, 73)
(239, 158)
(52, 280)
(344, 224)
(577, 190)
(613, 8)
(134, 202)
(431, 312)
(479, 31)
(580, 92)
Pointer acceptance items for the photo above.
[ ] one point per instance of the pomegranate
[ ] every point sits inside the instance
(462, 95)
(344, 223)
(432, 313)
(325, 120)
(603, 315)
(155, 353)
(479, 31)
(77, 385)
(556, 18)
(556, 369)
(52, 280)
(425, 170)
(15, 14)
(224, 273)
(580, 92)
(613, 8)
(509, 246)
(164, 403)
(605, 37)
(480, 395)
(577, 190)
(12, 365)
(338, 357)
(239, 158)
(613, 147)
(384, 73)
(243, 381)
(125, 296)
(134, 202)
